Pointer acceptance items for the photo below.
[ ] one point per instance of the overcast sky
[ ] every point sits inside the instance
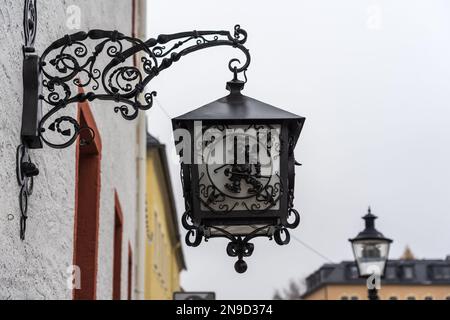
(372, 79)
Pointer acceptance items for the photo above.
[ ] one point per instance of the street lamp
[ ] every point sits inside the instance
(371, 250)
(237, 170)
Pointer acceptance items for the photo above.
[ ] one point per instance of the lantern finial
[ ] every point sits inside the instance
(369, 219)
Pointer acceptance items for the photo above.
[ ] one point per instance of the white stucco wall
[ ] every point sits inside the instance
(37, 267)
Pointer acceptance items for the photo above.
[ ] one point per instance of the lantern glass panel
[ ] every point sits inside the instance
(371, 256)
(240, 168)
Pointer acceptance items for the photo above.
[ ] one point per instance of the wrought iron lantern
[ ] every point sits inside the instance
(237, 170)
(248, 195)
(371, 250)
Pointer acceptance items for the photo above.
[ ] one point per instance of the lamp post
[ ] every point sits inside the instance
(371, 250)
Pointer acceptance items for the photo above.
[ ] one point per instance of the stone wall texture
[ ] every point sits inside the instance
(37, 268)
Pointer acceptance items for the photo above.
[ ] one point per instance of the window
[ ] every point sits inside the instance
(344, 298)
(411, 298)
(440, 272)
(311, 281)
(428, 298)
(354, 298)
(325, 272)
(447, 298)
(87, 205)
(117, 262)
(391, 272)
(393, 298)
(408, 272)
(352, 272)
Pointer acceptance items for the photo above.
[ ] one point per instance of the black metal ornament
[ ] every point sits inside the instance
(67, 63)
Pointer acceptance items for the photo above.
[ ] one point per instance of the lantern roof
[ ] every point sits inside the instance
(370, 233)
(237, 106)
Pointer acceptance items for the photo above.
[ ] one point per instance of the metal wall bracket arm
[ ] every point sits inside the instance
(108, 73)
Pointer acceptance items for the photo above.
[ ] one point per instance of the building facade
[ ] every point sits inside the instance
(405, 279)
(164, 256)
(86, 217)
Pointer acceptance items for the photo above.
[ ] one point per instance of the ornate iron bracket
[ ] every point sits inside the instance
(67, 72)
(105, 74)
(25, 168)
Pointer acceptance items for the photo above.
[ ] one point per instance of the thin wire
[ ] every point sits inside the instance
(163, 109)
(307, 246)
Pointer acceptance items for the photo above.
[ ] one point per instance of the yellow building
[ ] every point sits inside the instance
(405, 279)
(164, 258)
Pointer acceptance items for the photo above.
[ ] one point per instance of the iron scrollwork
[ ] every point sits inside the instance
(105, 75)
(25, 171)
(194, 233)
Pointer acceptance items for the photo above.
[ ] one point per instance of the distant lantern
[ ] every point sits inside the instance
(237, 171)
(370, 248)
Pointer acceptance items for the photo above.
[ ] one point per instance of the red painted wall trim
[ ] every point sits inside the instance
(118, 207)
(87, 208)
